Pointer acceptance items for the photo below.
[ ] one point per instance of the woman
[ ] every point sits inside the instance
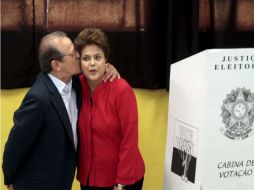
(108, 122)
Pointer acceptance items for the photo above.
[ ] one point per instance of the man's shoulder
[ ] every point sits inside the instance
(40, 81)
(39, 87)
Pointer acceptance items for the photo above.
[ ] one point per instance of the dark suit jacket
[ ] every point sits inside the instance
(39, 153)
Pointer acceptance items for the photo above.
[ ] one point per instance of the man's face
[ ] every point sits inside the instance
(70, 64)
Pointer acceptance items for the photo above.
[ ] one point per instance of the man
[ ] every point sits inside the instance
(40, 153)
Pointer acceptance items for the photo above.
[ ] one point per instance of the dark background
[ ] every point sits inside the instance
(146, 36)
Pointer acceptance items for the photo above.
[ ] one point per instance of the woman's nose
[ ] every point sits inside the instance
(92, 61)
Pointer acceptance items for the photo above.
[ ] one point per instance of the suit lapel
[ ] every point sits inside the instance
(77, 87)
(57, 102)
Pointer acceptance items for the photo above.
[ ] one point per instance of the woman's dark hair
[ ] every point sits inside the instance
(48, 50)
(91, 36)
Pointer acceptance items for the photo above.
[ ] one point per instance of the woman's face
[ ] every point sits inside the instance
(93, 63)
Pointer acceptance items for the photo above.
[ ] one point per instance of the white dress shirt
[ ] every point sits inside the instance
(69, 99)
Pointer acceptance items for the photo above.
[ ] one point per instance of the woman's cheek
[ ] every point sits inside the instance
(83, 67)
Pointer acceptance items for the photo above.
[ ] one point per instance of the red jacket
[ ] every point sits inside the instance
(108, 136)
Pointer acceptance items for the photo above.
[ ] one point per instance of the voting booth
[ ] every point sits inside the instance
(210, 140)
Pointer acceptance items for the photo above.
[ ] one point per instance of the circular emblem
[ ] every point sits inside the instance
(238, 114)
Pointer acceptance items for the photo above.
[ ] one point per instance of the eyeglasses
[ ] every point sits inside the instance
(72, 54)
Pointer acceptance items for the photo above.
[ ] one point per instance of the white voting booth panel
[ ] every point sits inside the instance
(210, 141)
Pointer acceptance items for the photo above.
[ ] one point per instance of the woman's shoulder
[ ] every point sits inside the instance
(121, 86)
(120, 83)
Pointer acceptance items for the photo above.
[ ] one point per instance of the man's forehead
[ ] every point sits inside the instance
(63, 43)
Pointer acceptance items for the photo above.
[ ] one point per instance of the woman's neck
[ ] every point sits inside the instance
(93, 85)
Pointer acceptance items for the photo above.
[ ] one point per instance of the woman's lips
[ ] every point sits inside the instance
(93, 71)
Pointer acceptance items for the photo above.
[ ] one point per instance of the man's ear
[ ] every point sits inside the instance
(55, 65)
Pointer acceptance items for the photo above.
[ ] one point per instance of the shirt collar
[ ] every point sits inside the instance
(60, 85)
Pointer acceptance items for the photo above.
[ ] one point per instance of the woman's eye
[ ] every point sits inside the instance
(86, 58)
(97, 57)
